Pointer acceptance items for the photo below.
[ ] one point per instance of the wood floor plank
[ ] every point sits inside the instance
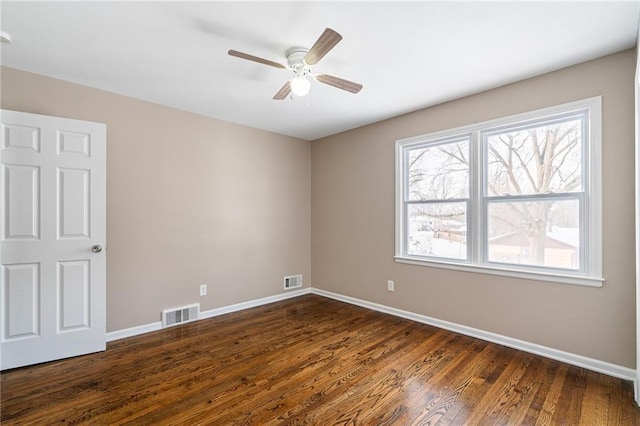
(571, 397)
(381, 351)
(552, 396)
(462, 389)
(509, 397)
(344, 408)
(340, 377)
(311, 360)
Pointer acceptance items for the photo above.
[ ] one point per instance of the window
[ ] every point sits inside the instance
(518, 196)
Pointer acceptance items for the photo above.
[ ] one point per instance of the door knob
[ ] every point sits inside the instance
(97, 248)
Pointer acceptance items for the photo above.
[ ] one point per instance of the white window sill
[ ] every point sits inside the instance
(506, 272)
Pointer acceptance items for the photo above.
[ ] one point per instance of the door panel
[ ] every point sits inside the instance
(22, 289)
(70, 143)
(73, 293)
(74, 195)
(21, 138)
(53, 198)
(22, 210)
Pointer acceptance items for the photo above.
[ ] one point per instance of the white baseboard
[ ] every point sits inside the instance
(154, 326)
(569, 358)
(253, 303)
(133, 331)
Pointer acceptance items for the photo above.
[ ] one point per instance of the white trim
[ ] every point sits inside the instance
(133, 331)
(636, 387)
(506, 272)
(253, 303)
(155, 326)
(517, 118)
(591, 269)
(594, 164)
(545, 351)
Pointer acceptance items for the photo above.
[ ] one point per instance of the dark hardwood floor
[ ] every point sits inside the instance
(311, 360)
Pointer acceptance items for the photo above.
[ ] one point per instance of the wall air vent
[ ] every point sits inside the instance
(175, 316)
(292, 281)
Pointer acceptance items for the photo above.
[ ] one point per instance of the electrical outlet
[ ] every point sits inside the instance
(203, 290)
(390, 286)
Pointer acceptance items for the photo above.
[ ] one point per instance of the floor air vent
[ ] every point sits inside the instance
(292, 281)
(180, 315)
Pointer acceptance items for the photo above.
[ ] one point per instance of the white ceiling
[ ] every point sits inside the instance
(408, 55)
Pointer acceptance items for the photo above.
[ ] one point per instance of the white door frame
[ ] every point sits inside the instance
(636, 84)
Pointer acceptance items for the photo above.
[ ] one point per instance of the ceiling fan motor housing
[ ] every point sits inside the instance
(295, 59)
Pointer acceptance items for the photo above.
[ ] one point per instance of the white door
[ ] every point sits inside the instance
(53, 196)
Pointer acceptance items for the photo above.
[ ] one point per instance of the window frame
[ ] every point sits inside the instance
(589, 198)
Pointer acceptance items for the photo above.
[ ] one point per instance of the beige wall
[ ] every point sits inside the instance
(193, 200)
(190, 200)
(352, 199)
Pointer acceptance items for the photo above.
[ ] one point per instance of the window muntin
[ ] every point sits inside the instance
(533, 215)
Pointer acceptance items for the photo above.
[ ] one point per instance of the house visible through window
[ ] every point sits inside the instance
(517, 196)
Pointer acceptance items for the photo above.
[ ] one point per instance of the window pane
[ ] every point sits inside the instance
(536, 160)
(438, 230)
(538, 233)
(439, 172)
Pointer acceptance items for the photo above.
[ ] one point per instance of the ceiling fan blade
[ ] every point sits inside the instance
(255, 59)
(340, 83)
(283, 92)
(327, 40)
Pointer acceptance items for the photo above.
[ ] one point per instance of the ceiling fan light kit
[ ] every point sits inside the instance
(301, 61)
(300, 86)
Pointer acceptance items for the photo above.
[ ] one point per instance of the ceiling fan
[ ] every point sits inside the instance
(301, 61)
